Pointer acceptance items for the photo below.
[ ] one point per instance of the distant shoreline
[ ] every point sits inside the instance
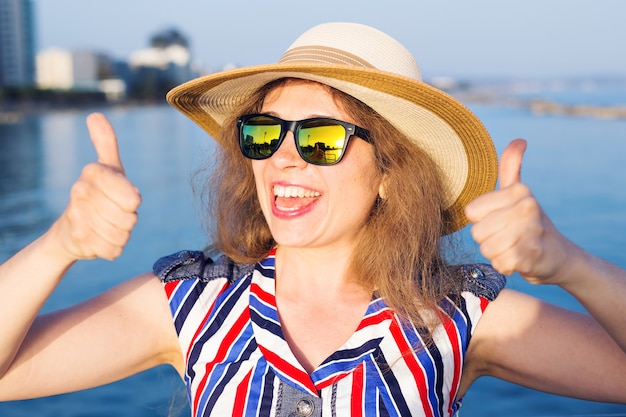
(11, 113)
(15, 112)
(542, 107)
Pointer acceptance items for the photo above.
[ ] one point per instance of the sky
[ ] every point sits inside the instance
(459, 38)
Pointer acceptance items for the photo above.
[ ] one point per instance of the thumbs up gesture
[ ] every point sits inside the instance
(103, 203)
(513, 231)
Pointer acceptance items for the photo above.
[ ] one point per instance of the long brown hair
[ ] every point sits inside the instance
(399, 250)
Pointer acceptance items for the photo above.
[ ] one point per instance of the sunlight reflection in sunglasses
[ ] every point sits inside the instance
(320, 141)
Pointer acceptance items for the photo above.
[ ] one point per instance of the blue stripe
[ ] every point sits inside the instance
(382, 410)
(377, 397)
(267, 264)
(182, 300)
(464, 319)
(223, 374)
(392, 395)
(268, 391)
(223, 308)
(344, 360)
(375, 306)
(460, 316)
(270, 326)
(462, 305)
(430, 358)
(267, 312)
(258, 391)
(371, 395)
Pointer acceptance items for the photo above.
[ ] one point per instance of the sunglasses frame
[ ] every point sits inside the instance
(294, 126)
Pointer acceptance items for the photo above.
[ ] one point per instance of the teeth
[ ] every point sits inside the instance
(293, 191)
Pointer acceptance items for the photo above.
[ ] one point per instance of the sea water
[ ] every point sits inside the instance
(575, 166)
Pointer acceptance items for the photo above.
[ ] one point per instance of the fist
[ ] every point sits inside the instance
(103, 205)
(511, 228)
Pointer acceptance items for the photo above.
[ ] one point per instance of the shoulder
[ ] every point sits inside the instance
(482, 280)
(197, 265)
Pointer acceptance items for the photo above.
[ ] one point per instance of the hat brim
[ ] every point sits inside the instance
(445, 128)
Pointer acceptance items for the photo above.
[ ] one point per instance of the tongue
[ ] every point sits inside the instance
(293, 203)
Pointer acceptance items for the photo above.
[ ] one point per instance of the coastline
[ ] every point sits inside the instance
(14, 111)
(544, 107)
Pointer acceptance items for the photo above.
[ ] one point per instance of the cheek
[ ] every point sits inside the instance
(261, 189)
(258, 167)
(367, 173)
(362, 185)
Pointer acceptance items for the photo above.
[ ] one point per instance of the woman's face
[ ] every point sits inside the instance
(310, 206)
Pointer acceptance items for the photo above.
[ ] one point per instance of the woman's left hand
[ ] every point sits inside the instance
(513, 231)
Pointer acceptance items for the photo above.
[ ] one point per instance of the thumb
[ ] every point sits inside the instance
(511, 163)
(104, 141)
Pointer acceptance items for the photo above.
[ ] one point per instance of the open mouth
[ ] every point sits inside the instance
(293, 198)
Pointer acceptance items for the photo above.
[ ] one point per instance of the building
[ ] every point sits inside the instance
(60, 69)
(163, 65)
(54, 69)
(17, 44)
(147, 74)
(80, 71)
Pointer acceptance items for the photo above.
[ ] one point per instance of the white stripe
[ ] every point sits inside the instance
(403, 374)
(198, 312)
(473, 308)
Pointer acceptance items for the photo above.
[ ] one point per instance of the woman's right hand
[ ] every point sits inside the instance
(103, 203)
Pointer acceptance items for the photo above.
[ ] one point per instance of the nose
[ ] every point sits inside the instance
(287, 154)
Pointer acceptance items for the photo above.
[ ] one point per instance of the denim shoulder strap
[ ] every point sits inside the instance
(482, 280)
(196, 265)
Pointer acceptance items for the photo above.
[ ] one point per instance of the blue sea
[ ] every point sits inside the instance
(576, 167)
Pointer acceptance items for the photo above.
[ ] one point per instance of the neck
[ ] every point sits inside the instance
(315, 271)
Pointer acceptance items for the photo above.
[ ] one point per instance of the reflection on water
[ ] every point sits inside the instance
(62, 149)
(20, 157)
(40, 157)
(23, 210)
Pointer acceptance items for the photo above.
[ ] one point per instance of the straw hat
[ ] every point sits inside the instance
(376, 69)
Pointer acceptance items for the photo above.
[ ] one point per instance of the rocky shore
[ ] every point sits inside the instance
(13, 112)
(541, 107)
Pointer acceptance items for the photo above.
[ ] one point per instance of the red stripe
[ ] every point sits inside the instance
(379, 317)
(336, 377)
(483, 303)
(288, 369)
(455, 342)
(241, 395)
(262, 295)
(170, 287)
(225, 346)
(204, 320)
(357, 400)
(413, 365)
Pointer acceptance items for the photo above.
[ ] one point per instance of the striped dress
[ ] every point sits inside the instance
(239, 364)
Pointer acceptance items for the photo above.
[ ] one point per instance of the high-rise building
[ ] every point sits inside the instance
(17, 43)
(163, 65)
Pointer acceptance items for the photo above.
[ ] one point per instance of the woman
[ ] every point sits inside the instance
(334, 297)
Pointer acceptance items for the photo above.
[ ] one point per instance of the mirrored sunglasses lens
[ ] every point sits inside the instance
(259, 137)
(322, 141)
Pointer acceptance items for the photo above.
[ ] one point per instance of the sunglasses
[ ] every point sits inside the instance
(320, 140)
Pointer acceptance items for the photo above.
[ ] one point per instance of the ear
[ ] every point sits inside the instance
(382, 188)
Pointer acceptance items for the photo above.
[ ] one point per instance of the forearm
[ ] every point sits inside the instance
(601, 288)
(26, 281)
